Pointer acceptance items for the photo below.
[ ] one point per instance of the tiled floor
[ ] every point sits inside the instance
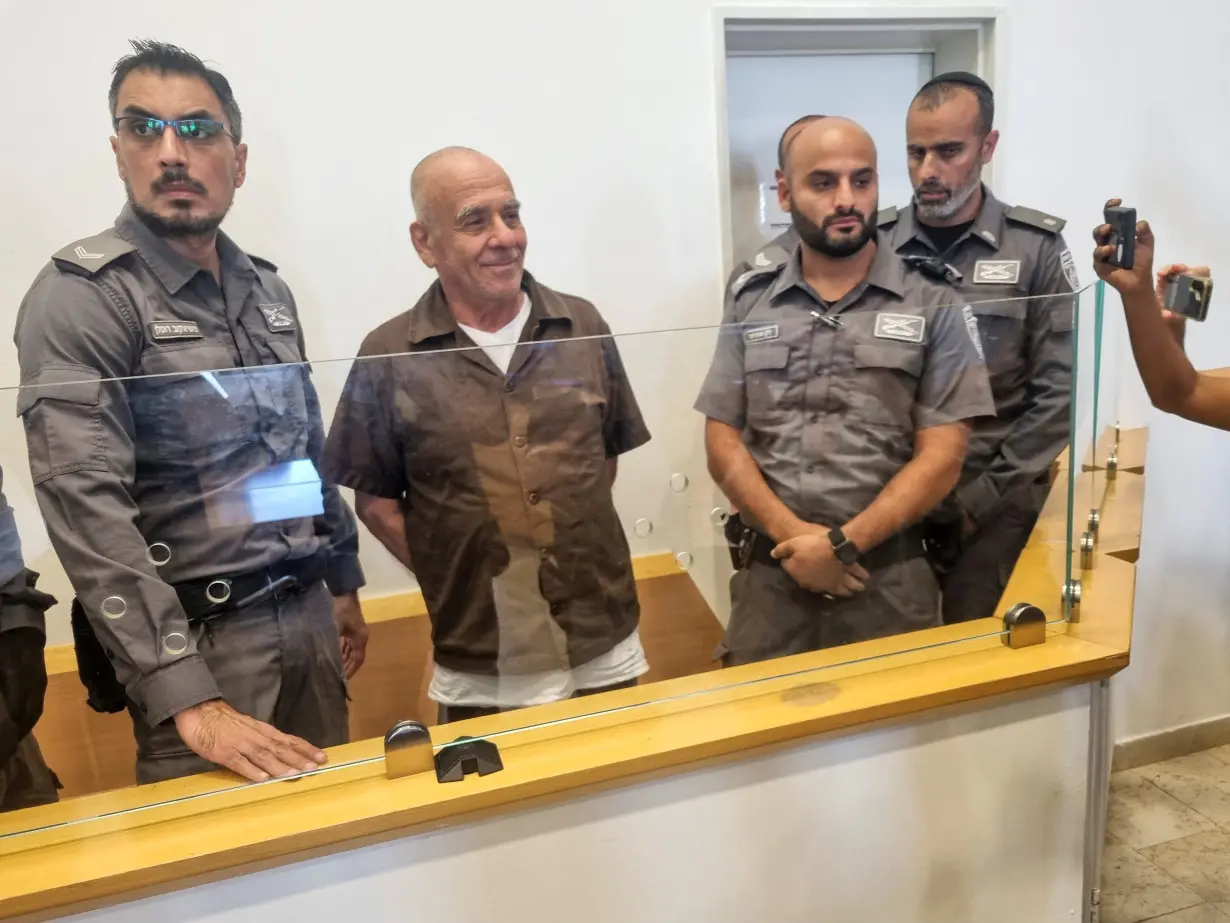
(1167, 856)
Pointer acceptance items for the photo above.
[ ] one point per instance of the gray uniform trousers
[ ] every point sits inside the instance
(974, 587)
(25, 780)
(279, 662)
(772, 616)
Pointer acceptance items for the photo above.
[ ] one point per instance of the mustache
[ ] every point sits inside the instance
(932, 187)
(177, 177)
(832, 219)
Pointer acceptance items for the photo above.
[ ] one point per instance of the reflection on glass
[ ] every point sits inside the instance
(515, 528)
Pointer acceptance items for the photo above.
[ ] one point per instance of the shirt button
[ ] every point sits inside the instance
(815, 418)
(519, 442)
(533, 497)
(508, 387)
(557, 608)
(819, 372)
(811, 469)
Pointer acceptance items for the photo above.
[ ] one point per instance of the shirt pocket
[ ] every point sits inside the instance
(60, 406)
(885, 383)
(281, 387)
(1001, 326)
(189, 405)
(766, 375)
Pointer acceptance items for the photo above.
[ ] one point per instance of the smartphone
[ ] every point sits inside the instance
(1189, 296)
(1122, 221)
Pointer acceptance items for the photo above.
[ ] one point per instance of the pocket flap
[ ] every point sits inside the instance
(187, 360)
(882, 356)
(762, 358)
(1014, 308)
(73, 384)
(285, 348)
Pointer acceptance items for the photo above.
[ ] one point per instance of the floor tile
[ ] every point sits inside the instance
(1201, 781)
(1133, 889)
(1222, 753)
(1201, 862)
(1141, 814)
(1201, 913)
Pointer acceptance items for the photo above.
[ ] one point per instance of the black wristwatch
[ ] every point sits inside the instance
(847, 552)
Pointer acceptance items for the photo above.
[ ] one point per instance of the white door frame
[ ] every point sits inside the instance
(990, 54)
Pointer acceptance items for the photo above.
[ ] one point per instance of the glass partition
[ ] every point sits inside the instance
(563, 517)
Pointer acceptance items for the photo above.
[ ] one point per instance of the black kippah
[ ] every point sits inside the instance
(964, 78)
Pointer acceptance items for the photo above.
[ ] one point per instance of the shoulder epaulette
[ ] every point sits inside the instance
(1035, 219)
(87, 257)
(886, 216)
(754, 275)
(261, 261)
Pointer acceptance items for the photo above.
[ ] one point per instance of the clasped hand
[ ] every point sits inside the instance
(812, 563)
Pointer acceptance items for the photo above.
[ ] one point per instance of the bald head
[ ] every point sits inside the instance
(439, 176)
(468, 227)
(828, 137)
(830, 187)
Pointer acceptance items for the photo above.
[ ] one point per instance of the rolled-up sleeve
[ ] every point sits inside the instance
(954, 386)
(723, 396)
(363, 449)
(623, 426)
(75, 343)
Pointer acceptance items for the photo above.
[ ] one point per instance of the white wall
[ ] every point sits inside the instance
(961, 819)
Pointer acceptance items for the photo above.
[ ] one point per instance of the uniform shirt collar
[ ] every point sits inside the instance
(173, 270)
(988, 226)
(431, 317)
(887, 272)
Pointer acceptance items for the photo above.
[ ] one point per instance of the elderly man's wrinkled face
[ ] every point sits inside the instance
(180, 179)
(473, 235)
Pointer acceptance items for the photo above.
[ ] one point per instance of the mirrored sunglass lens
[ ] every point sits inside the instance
(200, 128)
(144, 128)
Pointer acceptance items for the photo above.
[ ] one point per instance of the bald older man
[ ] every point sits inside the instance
(480, 432)
(838, 411)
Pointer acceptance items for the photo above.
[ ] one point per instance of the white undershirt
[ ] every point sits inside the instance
(623, 663)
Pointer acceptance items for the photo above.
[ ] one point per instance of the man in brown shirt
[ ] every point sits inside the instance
(480, 431)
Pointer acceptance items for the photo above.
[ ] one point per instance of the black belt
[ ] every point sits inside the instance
(904, 546)
(208, 598)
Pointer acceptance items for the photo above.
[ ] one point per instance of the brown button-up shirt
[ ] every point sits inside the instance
(494, 470)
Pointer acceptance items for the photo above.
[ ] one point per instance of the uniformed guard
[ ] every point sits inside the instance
(838, 404)
(25, 780)
(1005, 258)
(156, 463)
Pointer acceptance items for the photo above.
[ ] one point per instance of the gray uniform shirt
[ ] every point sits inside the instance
(829, 397)
(12, 566)
(121, 463)
(1005, 256)
(11, 563)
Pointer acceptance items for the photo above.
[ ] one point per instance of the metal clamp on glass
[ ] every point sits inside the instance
(1072, 599)
(1087, 548)
(1024, 626)
(465, 756)
(1095, 522)
(407, 750)
(1112, 466)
